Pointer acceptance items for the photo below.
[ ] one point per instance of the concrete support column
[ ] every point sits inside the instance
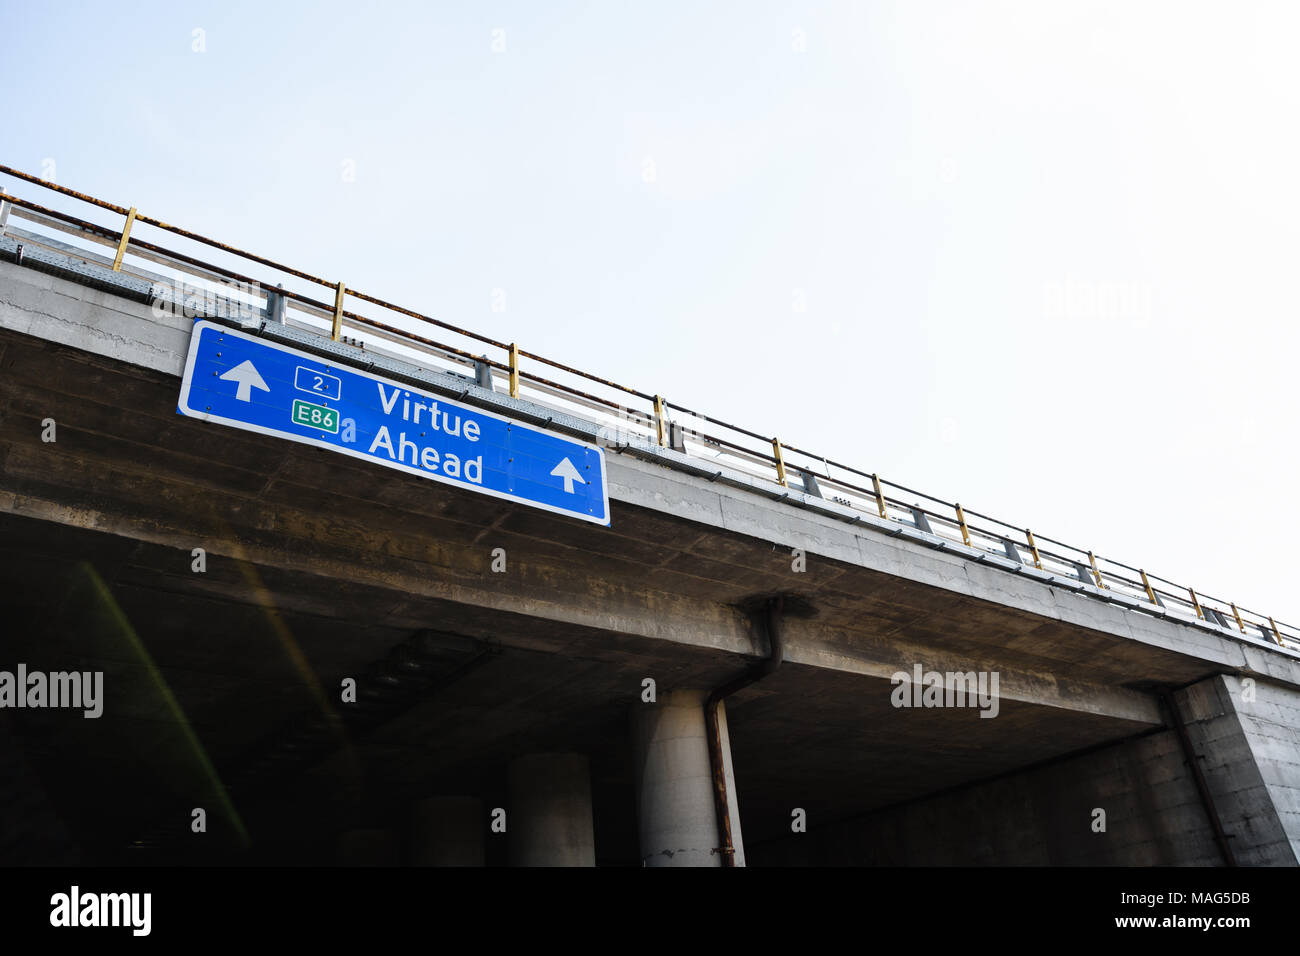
(448, 831)
(366, 848)
(675, 811)
(1246, 735)
(549, 819)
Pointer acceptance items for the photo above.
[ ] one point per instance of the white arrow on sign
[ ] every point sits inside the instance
(249, 378)
(569, 473)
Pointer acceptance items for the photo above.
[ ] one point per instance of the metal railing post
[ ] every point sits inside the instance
(880, 498)
(483, 374)
(1033, 549)
(1096, 573)
(337, 328)
(126, 236)
(276, 305)
(961, 522)
(1151, 593)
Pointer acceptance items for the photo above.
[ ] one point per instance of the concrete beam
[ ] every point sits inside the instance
(62, 311)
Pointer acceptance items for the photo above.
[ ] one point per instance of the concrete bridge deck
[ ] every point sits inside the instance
(319, 567)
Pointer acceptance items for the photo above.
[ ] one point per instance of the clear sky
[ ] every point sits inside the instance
(1035, 257)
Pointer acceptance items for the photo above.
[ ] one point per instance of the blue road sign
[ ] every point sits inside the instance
(260, 386)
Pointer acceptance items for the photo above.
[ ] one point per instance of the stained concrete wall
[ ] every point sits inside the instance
(1154, 816)
(1246, 735)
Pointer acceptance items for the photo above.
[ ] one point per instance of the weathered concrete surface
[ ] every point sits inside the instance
(151, 476)
(1036, 817)
(550, 821)
(318, 565)
(1247, 739)
(1153, 813)
(57, 310)
(674, 783)
(61, 311)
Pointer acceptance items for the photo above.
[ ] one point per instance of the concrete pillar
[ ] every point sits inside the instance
(366, 848)
(448, 831)
(1246, 736)
(549, 819)
(675, 811)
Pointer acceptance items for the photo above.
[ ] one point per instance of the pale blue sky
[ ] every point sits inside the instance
(944, 187)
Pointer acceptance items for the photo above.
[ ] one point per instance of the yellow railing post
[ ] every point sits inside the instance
(337, 328)
(880, 498)
(659, 419)
(514, 370)
(1147, 584)
(1196, 604)
(1095, 573)
(126, 235)
(1237, 615)
(1033, 549)
(961, 521)
(1276, 633)
(780, 461)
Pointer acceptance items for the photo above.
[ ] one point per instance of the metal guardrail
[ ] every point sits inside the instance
(575, 392)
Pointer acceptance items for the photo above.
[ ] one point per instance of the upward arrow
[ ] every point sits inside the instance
(569, 473)
(248, 377)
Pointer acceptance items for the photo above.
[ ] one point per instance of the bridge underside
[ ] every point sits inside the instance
(229, 669)
(223, 685)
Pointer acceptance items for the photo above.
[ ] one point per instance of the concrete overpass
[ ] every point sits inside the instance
(503, 714)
